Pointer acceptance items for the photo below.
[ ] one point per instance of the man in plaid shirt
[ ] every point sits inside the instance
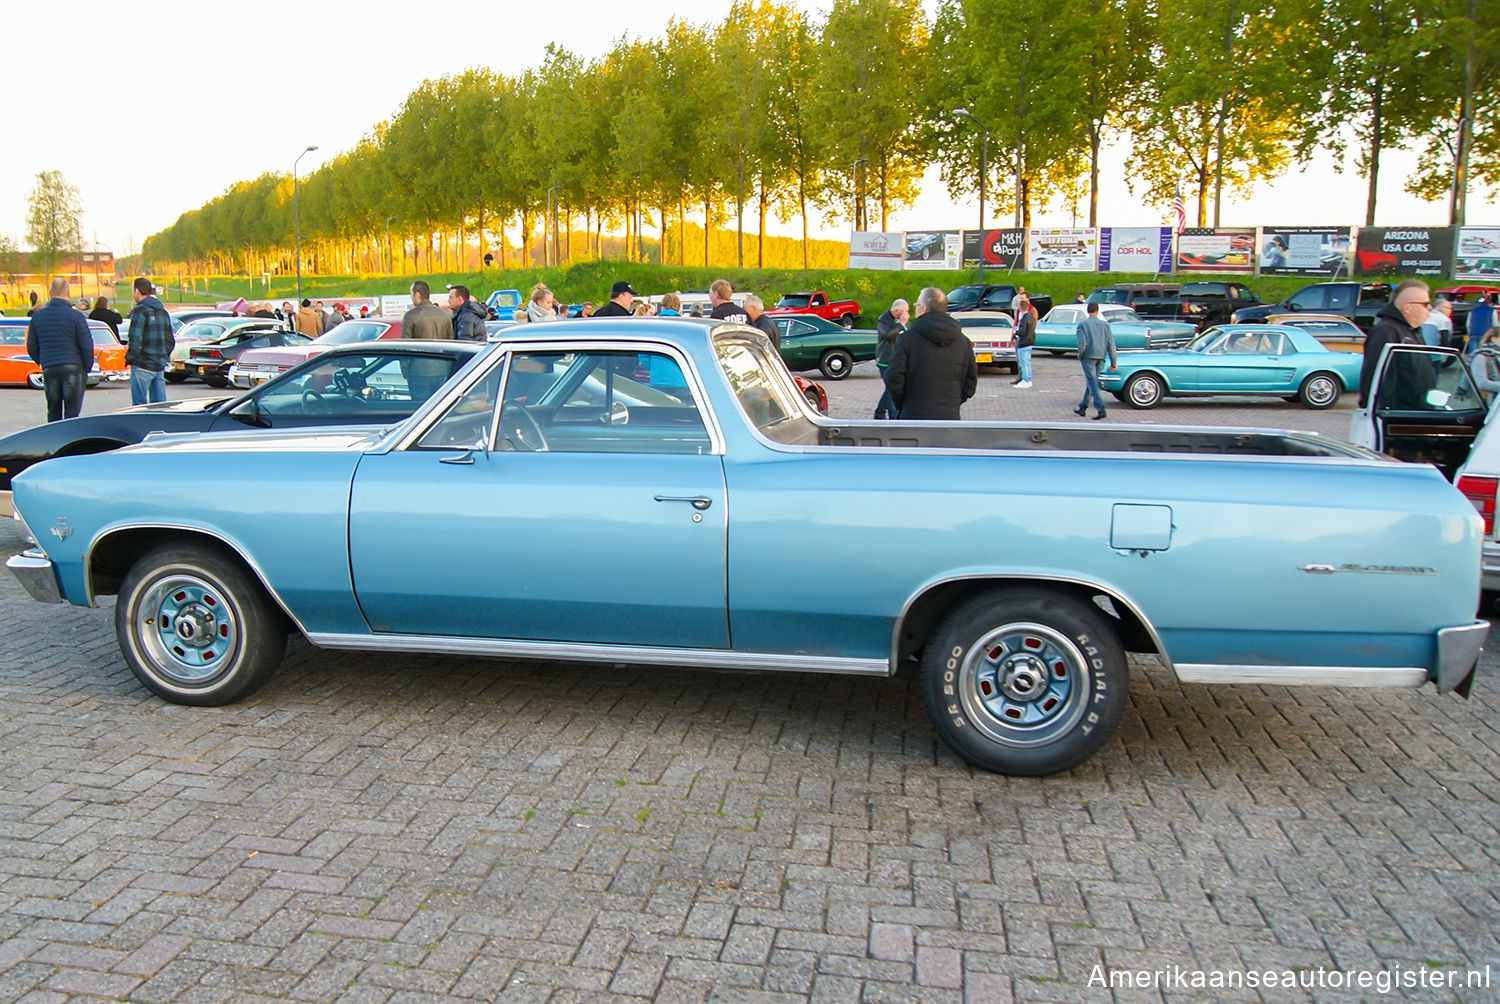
(151, 344)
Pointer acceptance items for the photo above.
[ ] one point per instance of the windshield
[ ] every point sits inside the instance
(965, 293)
(1202, 342)
(350, 331)
(793, 300)
(769, 403)
(1109, 296)
(102, 335)
(1123, 317)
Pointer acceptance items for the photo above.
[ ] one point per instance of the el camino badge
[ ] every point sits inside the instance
(1370, 569)
(62, 529)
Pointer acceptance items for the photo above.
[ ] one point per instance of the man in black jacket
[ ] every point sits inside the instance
(58, 339)
(1398, 321)
(932, 371)
(888, 328)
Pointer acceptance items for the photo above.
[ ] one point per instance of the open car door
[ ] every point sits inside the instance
(1423, 408)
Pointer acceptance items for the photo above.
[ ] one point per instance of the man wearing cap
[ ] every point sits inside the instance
(620, 298)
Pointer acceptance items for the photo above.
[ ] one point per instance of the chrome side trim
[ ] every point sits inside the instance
(1311, 676)
(36, 575)
(88, 561)
(1458, 651)
(1002, 577)
(553, 651)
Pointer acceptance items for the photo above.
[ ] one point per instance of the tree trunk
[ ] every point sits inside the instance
(1376, 125)
(802, 207)
(760, 242)
(707, 226)
(681, 229)
(1095, 132)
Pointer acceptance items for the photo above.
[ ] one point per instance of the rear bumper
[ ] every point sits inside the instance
(1458, 651)
(34, 571)
(1489, 566)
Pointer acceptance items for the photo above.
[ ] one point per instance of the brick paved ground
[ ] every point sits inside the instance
(371, 828)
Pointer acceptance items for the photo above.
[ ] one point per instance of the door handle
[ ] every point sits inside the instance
(466, 457)
(698, 502)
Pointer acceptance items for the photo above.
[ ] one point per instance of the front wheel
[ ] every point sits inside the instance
(1024, 682)
(1321, 390)
(35, 381)
(1144, 390)
(172, 376)
(196, 627)
(836, 364)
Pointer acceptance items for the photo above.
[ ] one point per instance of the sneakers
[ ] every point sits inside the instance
(1022, 384)
(1079, 411)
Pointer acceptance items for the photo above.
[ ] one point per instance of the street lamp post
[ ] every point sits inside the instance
(984, 170)
(389, 258)
(297, 225)
(854, 225)
(552, 225)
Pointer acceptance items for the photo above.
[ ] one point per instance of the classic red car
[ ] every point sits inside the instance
(256, 366)
(841, 312)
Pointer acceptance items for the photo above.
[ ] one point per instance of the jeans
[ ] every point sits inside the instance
(63, 386)
(885, 407)
(1023, 362)
(1091, 384)
(147, 386)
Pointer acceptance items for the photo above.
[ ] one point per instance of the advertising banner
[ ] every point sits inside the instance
(875, 249)
(1392, 251)
(1062, 249)
(1216, 249)
(1477, 254)
(1305, 251)
(1135, 249)
(1001, 248)
(932, 250)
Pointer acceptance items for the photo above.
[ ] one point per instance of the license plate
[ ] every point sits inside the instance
(983, 357)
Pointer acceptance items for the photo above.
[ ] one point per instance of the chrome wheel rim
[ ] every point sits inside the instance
(189, 629)
(1320, 391)
(1024, 684)
(1144, 391)
(836, 364)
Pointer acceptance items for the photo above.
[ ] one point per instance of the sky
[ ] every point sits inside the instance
(166, 106)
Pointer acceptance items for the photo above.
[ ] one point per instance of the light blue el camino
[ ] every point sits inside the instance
(1058, 331)
(644, 492)
(1254, 359)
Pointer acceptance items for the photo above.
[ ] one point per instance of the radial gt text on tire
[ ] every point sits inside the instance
(1024, 681)
(1144, 390)
(1321, 390)
(836, 364)
(196, 627)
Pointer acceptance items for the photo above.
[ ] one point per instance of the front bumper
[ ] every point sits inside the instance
(35, 572)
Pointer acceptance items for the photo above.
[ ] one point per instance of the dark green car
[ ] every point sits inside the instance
(808, 342)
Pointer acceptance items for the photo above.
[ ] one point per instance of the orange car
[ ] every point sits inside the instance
(18, 368)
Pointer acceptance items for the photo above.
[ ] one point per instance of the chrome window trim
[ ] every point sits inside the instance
(553, 651)
(1303, 676)
(405, 438)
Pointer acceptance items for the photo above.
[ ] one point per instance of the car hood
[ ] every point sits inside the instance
(324, 440)
(187, 406)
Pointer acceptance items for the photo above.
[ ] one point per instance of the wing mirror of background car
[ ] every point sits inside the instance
(1437, 398)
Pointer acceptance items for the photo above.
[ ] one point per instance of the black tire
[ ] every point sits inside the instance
(196, 627)
(846, 322)
(1321, 390)
(1119, 395)
(216, 381)
(836, 364)
(1144, 390)
(1025, 682)
(173, 377)
(812, 399)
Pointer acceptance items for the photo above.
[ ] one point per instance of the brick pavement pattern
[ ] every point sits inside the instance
(381, 828)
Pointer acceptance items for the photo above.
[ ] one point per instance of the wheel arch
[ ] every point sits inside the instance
(928, 605)
(1166, 384)
(111, 555)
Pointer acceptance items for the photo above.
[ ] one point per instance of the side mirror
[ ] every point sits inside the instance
(1437, 398)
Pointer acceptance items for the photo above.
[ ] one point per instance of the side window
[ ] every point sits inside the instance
(467, 423)
(1311, 298)
(1341, 298)
(800, 328)
(1281, 345)
(1428, 382)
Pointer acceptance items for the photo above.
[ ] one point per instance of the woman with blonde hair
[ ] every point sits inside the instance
(540, 306)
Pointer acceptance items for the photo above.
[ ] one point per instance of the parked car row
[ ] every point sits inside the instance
(17, 368)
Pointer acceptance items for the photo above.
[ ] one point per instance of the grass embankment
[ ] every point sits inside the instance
(591, 281)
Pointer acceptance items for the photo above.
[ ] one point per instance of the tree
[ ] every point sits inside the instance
(54, 219)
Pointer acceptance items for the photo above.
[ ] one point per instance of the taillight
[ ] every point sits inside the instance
(1481, 492)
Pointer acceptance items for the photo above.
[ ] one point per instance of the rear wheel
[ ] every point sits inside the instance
(1024, 682)
(1144, 390)
(836, 364)
(34, 380)
(846, 322)
(215, 381)
(172, 376)
(196, 627)
(1321, 390)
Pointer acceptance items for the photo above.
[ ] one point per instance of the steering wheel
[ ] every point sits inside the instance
(519, 430)
(312, 402)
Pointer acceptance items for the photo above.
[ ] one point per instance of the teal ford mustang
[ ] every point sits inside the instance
(1058, 331)
(1269, 359)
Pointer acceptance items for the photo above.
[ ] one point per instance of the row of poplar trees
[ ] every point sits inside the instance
(772, 114)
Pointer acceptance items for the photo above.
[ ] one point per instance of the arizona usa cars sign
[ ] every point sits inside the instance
(1305, 251)
(1404, 251)
(1000, 248)
(1135, 249)
(1063, 249)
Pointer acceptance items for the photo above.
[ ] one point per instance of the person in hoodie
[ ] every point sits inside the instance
(151, 344)
(1399, 321)
(468, 316)
(932, 370)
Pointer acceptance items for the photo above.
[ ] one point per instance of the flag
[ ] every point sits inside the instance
(1181, 211)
